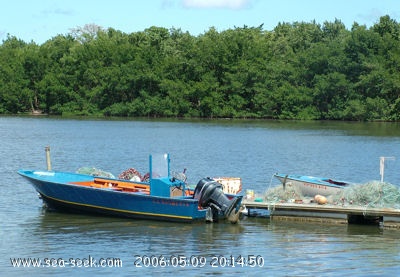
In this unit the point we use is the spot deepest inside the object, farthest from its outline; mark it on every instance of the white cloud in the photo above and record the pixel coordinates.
(166, 4)
(57, 11)
(371, 16)
(221, 4)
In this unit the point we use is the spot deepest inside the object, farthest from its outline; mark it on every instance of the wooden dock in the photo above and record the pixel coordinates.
(338, 214)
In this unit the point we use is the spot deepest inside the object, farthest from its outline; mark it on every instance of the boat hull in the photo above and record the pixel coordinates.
(61, 195)
(311, 186)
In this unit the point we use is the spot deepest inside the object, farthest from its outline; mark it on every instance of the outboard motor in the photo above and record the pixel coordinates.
(209, 193)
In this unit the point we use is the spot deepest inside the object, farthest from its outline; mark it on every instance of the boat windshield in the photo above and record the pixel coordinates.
(159, 165)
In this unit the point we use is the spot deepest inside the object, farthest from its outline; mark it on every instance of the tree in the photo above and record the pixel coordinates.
(86, 33)
(300, 70)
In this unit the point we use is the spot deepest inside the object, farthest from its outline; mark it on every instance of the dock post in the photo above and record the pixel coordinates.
(47, 149)
(382, 165)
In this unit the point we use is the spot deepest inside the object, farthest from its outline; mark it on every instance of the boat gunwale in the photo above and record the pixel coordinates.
(312, 180)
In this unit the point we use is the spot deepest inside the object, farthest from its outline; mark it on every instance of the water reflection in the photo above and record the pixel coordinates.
(161, 237)
(379, 129)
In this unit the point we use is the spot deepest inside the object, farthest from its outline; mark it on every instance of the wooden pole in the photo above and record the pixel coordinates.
(47, 149)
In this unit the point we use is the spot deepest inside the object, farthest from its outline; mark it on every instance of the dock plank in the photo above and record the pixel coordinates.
(389, 217)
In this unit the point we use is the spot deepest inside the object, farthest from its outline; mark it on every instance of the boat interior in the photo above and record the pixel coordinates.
(118, 185)
(125, 186)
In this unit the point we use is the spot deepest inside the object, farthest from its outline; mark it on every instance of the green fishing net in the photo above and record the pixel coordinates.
(372, 194)
(95, 172)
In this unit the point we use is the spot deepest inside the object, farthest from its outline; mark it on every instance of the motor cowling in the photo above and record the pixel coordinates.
(209, 193)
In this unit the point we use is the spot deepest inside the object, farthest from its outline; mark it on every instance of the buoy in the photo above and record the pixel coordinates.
(320, 199)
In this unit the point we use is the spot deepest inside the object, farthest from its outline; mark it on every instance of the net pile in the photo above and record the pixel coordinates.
(372, 194)
(95, 172)
(130, 174)
(279, 194)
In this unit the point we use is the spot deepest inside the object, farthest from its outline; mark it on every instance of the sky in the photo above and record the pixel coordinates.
(41, 20)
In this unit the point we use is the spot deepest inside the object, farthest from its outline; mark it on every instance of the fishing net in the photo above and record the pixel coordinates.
(373, 194)
(130, 174)
(281, 194)
(95, 172)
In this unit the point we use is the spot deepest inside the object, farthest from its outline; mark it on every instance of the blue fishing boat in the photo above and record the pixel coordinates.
(164, 197)
(311, 186)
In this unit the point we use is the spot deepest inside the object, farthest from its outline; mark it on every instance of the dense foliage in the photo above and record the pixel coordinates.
(296, 71)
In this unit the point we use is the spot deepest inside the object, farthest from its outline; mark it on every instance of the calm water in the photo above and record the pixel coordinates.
(252, 150)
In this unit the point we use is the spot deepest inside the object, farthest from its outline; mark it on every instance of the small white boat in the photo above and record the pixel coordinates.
(311, 186)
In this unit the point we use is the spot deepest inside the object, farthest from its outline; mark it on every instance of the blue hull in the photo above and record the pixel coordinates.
(57, 191)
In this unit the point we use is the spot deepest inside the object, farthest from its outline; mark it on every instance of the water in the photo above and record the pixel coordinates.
(252, 150)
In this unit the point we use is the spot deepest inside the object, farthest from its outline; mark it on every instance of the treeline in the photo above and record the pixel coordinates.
(296, 71)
